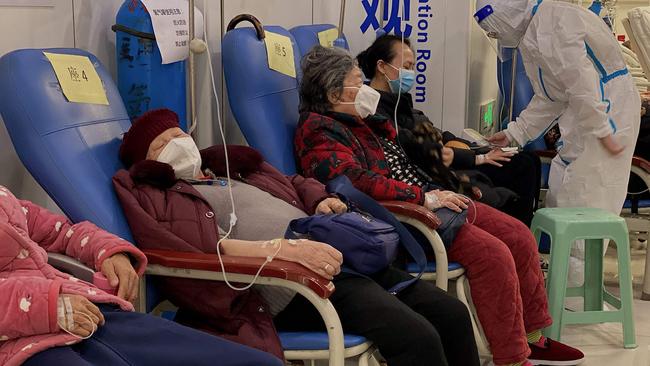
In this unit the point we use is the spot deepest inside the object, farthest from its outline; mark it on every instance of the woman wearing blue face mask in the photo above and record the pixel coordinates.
(339, 134)
(389, 64)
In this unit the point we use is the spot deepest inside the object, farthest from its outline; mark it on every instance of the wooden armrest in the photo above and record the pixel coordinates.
(413, 211)
(641, 163)
(546, 153)
(289, 271)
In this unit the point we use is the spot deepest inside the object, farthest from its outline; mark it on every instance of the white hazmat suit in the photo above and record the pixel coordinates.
(581, 81)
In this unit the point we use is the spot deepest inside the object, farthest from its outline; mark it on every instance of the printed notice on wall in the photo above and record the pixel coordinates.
(78, 78)
(279, 51)
(326, 38)
(32, 3)
(171, 21)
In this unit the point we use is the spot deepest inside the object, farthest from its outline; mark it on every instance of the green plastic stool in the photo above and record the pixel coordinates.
(565, 226)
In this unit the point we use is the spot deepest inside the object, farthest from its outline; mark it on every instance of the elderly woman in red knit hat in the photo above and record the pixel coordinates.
(174, 198)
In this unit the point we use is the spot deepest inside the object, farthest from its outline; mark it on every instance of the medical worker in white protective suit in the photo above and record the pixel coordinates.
(580, 79)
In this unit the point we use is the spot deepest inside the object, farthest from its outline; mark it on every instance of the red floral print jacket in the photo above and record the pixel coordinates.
(333, 144)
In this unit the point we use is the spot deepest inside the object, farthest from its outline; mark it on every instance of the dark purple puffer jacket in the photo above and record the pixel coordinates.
(166, 213)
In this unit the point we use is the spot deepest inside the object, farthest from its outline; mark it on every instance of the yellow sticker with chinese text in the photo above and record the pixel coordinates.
(78, 78)
(279, 51)
(327, 37)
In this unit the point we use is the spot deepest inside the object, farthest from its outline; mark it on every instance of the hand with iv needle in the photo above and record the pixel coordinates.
(321, 258)
(436, 199)
(78, 316)
(494, 157)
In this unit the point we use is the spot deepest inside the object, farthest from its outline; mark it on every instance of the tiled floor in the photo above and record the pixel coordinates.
(603, 343)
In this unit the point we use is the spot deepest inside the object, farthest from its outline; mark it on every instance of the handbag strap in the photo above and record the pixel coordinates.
(342, 186)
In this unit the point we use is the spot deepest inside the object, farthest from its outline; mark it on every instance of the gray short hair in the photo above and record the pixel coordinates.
(323, 73)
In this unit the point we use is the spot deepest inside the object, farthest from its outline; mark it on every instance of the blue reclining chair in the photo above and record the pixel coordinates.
(265, 105)
(258, 93)
(71, 149)
(306, 36)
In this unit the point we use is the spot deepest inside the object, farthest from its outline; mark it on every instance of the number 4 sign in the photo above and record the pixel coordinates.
(78, 78)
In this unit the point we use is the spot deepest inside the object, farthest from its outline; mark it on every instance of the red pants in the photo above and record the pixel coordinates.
(500, 257)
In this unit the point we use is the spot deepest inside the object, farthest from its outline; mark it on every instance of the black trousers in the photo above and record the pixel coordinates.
(521, 175)
(420, 326)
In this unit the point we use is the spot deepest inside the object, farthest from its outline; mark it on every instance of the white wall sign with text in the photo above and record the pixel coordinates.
(39, 3)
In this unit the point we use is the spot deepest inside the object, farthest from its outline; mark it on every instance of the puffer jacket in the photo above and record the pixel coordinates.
(333, 144)
(29, 287)
(168, 213)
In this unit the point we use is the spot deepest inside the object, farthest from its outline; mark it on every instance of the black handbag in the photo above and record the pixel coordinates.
(451, 222)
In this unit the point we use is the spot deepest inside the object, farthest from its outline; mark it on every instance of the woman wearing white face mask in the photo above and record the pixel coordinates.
(174, 197)
(183, 214)
(497, 251)
(389, 64)
(52, 318)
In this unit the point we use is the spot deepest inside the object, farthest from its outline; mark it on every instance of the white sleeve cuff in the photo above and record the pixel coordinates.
(516, 134)
(604, 131)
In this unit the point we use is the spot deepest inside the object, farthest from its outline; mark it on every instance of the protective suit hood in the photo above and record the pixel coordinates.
(505, 20)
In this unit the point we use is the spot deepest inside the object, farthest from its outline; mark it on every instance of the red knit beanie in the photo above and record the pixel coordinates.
(143, 131)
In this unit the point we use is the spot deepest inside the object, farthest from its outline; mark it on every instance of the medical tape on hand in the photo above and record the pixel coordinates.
(69, 313)
(66, 321)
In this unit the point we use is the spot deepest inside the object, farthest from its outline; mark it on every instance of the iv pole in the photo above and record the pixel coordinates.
(196, 46)
(192, 68)
(513, 77)
(341, 18)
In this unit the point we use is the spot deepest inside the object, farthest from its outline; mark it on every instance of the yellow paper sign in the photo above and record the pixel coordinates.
(279, 51)
(327, 37)
(78, 78)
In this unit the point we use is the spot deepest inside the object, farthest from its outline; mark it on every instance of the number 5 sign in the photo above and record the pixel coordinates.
(78, 78)
(279, 51)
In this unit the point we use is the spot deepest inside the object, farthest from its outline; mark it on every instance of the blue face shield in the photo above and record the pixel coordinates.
(403, 83)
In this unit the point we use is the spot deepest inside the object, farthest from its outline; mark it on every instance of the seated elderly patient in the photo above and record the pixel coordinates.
(174, 198)
(339, 134)
(390, 64)
(51, 318)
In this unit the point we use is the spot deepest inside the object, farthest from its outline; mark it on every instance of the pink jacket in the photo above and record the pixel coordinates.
(29, 287)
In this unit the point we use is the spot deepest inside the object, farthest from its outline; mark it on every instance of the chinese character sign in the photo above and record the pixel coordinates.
(279, 51)
(424, 24)
(394, 21)
(78, 78)
(171, 26)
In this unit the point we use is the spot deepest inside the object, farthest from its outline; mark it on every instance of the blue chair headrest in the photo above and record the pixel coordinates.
(263, 101)
(307, 36)
(71, 149)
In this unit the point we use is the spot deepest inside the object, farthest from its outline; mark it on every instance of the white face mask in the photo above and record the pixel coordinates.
(184, 157)
(366, 100)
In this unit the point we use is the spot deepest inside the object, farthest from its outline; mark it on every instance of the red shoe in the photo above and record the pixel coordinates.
(550, 352)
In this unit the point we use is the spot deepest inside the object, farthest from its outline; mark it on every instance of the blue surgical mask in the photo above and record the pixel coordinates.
(406, 79)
